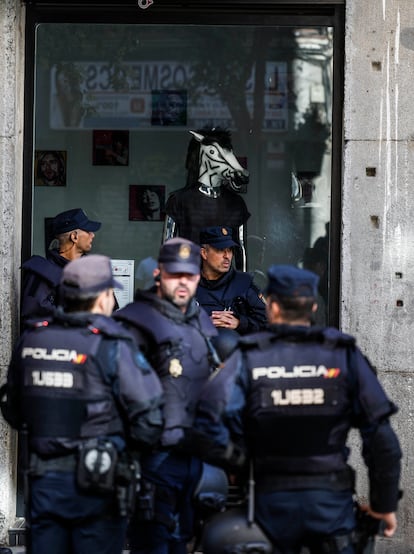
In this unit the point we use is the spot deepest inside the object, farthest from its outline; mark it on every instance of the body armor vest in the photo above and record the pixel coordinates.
(179, 352)
(299, 385)
(67, 390)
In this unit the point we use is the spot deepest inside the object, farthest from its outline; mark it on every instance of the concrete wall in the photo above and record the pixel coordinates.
(377, 294)
(11, 149)
(378, 208)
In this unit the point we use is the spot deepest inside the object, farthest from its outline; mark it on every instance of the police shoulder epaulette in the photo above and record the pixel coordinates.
(334, 337)
(37, 323)
(256, 340)
(110, 329)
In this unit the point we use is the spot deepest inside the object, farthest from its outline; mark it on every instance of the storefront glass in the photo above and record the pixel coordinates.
(114, 107)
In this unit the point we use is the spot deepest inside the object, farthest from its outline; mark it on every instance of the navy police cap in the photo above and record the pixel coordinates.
(218, 237)
(179, 255)
(73, 219)
(288, 280)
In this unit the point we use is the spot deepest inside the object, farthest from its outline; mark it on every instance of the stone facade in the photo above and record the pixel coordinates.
(377, 290)
(11, 162)
(377, 248)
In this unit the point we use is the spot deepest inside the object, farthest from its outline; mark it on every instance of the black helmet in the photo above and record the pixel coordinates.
(212, 489)
(230, 533)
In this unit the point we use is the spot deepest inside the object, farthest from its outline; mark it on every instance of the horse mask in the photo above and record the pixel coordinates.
(217, 165)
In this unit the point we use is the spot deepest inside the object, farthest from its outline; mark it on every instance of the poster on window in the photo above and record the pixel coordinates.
(146, 202)
(84, 95)
(110, 147)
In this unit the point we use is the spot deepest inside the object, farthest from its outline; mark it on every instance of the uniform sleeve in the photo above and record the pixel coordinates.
(39, 290)
(380, 446)
(382, 454)
(140, 395)
(218, 423)
(10, 397)
(255, 319)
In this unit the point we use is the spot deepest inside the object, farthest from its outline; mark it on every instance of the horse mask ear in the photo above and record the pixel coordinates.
(197, 136)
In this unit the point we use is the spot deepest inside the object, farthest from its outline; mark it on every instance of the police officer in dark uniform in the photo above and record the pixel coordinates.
(291, 395)
(234, 303)
(84, 393)
(175, 334)
(74, 232)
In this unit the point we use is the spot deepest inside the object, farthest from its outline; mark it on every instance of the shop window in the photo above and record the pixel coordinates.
(114, 108)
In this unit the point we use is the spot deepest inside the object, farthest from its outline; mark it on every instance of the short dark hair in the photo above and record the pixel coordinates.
(78, 304)
(298, 307)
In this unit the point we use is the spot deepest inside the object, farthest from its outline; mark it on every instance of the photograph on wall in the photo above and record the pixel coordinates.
(146, 202)
(110, 147)
(169, 108)
(50, 168)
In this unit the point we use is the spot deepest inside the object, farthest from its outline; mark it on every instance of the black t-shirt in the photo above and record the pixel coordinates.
(192, 210)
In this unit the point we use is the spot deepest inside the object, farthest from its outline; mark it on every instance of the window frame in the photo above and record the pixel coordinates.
(209, 12)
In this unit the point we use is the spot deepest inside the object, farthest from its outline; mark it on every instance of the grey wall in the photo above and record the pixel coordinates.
(378, 208)
(377, 241)
(11, 148)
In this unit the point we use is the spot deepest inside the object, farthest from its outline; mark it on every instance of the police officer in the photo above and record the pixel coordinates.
(292, 394)
(74, 232)
(82, 389)
(175, 334)
(229, 296)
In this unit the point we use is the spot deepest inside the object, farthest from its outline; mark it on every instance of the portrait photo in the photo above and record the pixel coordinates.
(50, 168)
(110, 147)
(169, 108)
(146, 202)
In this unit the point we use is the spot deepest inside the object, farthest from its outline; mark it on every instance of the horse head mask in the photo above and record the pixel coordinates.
(211, 162)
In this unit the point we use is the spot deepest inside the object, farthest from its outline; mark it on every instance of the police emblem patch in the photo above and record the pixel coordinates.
(184, 252)
(224, 231)
(175, 368)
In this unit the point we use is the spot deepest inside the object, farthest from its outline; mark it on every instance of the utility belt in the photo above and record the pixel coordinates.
(39, 466)
(99, 469)
(335, 481)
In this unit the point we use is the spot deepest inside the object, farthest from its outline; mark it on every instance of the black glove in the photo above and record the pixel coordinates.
(230, 457)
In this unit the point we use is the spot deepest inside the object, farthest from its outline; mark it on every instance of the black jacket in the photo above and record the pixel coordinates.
(234, 291)
(178, 347)
(41, 277)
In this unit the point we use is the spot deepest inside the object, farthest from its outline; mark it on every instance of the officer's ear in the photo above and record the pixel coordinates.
(273, 310)
(157, 275)
(203, 252)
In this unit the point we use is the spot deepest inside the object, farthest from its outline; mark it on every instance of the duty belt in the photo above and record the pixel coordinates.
(39, 466)
(335, 481)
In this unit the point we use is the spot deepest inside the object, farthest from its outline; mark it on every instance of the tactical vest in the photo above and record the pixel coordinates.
(179, 353)
(66, 390)
(299, 403)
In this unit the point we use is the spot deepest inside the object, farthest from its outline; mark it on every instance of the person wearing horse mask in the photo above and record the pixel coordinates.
(211, 196)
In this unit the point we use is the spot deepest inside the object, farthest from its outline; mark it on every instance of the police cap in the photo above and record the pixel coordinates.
(288, 280)
(218, 237)
(179, 255)
(87, 276)
(73, 219)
